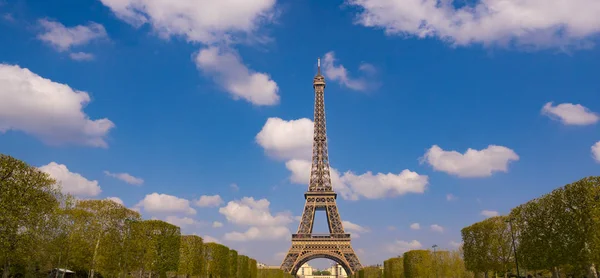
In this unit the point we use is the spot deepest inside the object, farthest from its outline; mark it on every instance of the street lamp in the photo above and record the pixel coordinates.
(435, 259)
(512, 234)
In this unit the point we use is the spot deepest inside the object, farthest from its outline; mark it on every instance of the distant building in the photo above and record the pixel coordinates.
(306, 271)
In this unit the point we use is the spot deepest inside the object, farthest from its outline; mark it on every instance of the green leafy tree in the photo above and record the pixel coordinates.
(253, 268)
(218, 260)
(393, 268)
(418, 263)
(191, 256)
(243, 267)
(27, 197)
(233, 261)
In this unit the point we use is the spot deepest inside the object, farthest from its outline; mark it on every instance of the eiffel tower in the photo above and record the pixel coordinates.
(320, 196)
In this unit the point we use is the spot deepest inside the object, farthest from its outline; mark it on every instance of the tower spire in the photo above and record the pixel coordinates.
(318, 66)
(320, 180)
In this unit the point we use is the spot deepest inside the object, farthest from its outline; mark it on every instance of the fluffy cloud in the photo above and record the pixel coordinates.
(260, 233)
(256, 213)
(354, 228)
(163, 203)
(125, 177)
(116, 200)
(81, 56)
(208, 238)
(292, 140)
(63, 38)
(450, 197)
(472, 163)
(340, 74)
(596, 151)
(532, 23)
(217, 224)
(47, 110)
(203, 21)
(400, 246)
(415, 226)
(248, 211)
(229, 72)
(489, 213)
(368, 185)
(437, 228)
(181, 221)
(70, 182)
(210, 23)
(570, 114)
(287, 139)
(209, 201)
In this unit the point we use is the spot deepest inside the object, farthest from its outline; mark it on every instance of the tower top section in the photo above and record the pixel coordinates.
(319, 79)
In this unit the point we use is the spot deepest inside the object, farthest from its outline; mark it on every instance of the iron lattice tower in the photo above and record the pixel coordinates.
(320, 196)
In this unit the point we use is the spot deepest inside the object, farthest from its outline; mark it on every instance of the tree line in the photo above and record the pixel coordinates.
(557, 234)
(42, 229)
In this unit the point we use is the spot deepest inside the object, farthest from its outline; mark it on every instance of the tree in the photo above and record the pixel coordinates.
(243, 267)
(105, 231)
(487, 245)
(218, 260)
(393, 268)
(233, 260)
(27, 197)
(191, 256)
(418, 263)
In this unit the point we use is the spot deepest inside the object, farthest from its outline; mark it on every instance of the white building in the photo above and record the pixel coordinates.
(336, 270)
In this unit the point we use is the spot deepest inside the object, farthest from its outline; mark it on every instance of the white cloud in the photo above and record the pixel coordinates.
(260, 233)
(70, 182)
(203, 21)
(489, 213)
(234, 187)
(209, 201)
(450, 197)
(354, 228)
(181, 221)
(415, 226)
(217, 224)
(63, 38)
(570, 114)
(116, 200)
(125, 177)
(400, 246)
(47, 110)
(226, 67)
(340, 74)
(256, 213)
(473, 163)
(81, 56)
(531, 23)
(287, 139)
(455, 244)
(163, 203)
(437, 228)
(207, 239)
(368, 185)
(292, 141)
(596, 151)
(250, 212)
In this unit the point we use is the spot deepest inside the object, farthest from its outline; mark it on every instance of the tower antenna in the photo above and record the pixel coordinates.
(318, 65)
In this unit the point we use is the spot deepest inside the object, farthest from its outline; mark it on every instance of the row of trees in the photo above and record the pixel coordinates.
(426, 264)
(42, 229)
(558, 233)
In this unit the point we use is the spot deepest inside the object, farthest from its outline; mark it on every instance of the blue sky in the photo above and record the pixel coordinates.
(161, 104)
